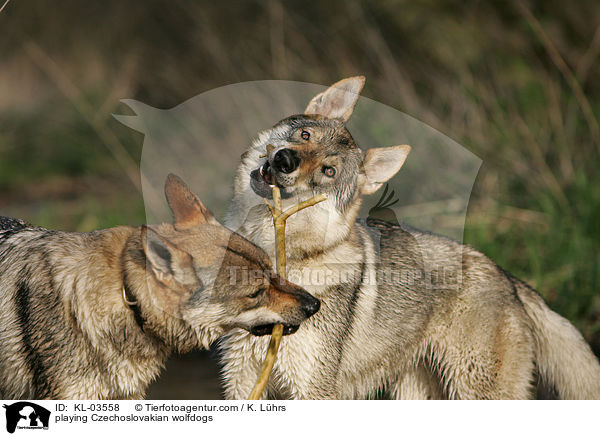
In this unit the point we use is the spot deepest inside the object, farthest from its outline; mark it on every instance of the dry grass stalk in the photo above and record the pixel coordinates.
(68, 88)
(5, 3)
(564, 69)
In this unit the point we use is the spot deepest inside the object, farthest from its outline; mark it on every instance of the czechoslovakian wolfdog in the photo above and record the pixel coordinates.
(95, 315)
(486, 336)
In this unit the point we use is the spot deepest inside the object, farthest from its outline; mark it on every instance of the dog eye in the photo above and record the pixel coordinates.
(305, 135)
(329, 171)
(257, 293)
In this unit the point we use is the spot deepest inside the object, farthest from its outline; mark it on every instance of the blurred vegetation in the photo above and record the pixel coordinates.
(515, 82)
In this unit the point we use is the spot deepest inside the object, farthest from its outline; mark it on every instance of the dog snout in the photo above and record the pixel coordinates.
(310, 305)
(286, 160)
(304, 303)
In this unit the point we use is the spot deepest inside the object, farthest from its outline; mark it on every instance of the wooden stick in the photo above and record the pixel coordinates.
(279, 220)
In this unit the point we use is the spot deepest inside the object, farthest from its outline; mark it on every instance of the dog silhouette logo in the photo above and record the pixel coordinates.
(26, 415)
(383, 209)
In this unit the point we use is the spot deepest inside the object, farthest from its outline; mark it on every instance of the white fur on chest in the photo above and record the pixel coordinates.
(308, 231)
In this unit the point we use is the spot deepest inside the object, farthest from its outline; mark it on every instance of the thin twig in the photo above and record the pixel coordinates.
(279, 221)
(269, 362)
(5, 3)
(297, 208)
(270, 207)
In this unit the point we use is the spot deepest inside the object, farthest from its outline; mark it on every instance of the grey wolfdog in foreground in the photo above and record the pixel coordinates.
(95, 315)
(478, 334)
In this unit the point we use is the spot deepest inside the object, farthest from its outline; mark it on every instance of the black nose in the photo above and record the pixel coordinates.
(310, 305)
(286, 160)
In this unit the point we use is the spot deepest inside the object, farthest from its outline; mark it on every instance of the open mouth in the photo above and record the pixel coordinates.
(261, 181)
(266, 329)
(265, 172)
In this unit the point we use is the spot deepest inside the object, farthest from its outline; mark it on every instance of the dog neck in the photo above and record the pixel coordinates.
(310, 232)
(139, 298)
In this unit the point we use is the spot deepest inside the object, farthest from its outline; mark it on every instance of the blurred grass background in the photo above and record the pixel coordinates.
(517, 83)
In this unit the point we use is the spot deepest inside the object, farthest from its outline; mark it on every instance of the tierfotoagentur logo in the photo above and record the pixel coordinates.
(26, 416)
(331, 274)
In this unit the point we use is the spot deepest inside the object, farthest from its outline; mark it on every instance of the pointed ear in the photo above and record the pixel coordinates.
(338, 100)
(169, 264)
(381, 164)
(188, 210)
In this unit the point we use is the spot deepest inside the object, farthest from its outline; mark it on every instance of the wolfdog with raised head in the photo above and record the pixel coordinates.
(404, 312)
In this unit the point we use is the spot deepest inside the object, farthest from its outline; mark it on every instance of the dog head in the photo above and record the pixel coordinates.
(213, 278)
(314, 153)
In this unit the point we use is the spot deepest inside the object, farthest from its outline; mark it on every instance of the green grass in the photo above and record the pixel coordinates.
(559, 256)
